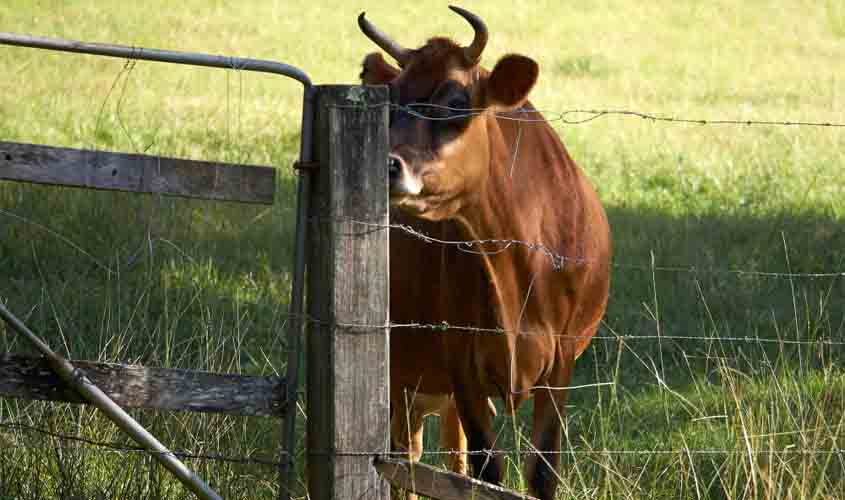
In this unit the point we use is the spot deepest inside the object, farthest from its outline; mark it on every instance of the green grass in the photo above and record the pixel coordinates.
(836, 17)
(168, 282)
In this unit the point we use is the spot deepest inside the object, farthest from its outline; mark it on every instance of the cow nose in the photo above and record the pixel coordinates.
(394, 166)
(403, 181)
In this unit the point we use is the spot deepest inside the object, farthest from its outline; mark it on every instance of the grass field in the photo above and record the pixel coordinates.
(730, 236)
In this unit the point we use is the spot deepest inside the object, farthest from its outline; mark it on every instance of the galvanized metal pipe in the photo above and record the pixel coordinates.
(91, 393)
(168, 56)
(297, 301)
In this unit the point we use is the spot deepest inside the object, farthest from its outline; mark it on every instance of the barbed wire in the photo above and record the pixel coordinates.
(361, 453)
(600, 113)
(738, 272)
(558, 260)
(519, 115)
(496, 452)
(445, 327)
(121, 448)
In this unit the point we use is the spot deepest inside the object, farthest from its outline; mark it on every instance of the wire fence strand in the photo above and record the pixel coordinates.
(437, 112)
(122, 448)
(250, 460)
(558, 261)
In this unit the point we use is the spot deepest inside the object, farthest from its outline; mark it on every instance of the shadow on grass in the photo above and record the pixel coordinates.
(737, 277)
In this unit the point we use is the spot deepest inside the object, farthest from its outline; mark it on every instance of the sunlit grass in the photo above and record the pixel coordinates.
(697, 212)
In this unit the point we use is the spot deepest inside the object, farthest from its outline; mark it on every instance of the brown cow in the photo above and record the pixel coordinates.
(458, 175)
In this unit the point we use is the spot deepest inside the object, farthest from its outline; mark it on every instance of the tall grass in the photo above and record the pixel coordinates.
(716, 230)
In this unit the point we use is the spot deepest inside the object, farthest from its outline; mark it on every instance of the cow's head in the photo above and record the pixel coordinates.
(443, 102)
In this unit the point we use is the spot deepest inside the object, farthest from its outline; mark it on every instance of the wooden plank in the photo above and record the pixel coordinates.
(28, 377)
(426, 480)
(136, 173)
(347, 368)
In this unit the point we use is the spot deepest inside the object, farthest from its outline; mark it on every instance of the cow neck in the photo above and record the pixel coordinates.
(504, 211)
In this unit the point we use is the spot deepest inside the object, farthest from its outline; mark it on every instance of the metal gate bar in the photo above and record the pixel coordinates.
(168, 56)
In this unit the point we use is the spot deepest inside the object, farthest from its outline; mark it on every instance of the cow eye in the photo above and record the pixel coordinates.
(458, 103)
(458, 107)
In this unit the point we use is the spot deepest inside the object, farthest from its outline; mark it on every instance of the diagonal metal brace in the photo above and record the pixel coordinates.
(76, 378)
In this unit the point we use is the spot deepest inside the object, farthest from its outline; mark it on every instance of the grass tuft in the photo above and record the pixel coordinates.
(587, 66)
(835, 14)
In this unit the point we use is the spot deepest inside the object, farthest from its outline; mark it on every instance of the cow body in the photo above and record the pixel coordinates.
(474, 177)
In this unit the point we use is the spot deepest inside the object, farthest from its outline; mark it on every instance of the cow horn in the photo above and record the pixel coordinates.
(472, 54)
(395, 50)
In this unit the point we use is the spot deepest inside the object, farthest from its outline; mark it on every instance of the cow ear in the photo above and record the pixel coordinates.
(510, 82)
(376, 71)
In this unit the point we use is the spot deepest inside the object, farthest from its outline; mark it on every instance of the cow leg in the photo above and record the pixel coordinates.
(406, 434)
(541, 470)
(452, 438)
(477, 421)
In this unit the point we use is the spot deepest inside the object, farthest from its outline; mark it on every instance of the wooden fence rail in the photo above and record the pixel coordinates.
(27, 377)
(443, 485)
(136, 173)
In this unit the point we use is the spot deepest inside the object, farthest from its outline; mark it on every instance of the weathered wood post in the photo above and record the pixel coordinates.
(348, 293)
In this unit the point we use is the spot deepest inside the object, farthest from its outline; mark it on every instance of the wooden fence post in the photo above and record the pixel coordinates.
(348, 294)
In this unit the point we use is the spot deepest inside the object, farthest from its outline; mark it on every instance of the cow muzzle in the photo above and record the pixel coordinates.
(403, 181)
